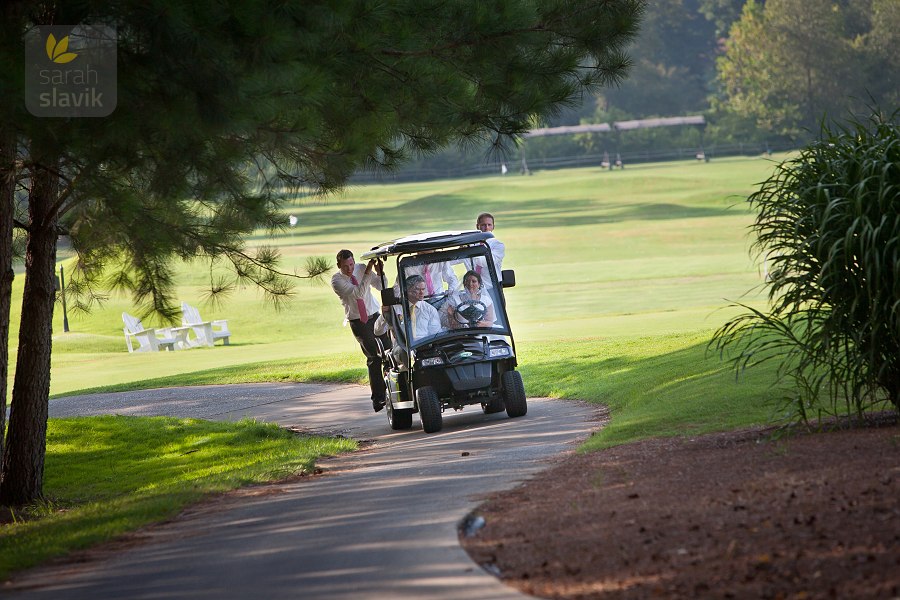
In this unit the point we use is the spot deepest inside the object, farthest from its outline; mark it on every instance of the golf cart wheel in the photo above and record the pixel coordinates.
(494, 405)
(399, 418)
(429, 409)
(514, 394)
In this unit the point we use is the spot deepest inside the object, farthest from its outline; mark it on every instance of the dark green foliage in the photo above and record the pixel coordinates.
(224, 105)
(674, 73)
(828, 228)
(674, 63)
(722, 13)
(788, 63)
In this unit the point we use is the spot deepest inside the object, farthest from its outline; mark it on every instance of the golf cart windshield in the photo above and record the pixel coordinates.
(446, 294)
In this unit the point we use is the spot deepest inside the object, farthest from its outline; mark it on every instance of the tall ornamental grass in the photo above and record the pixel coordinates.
(828, 227)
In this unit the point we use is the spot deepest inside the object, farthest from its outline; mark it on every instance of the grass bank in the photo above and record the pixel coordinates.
(109, 475)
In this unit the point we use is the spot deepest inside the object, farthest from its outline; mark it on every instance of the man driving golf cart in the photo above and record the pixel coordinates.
(470, 358)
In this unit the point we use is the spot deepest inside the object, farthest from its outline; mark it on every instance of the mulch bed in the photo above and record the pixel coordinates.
(734, 515)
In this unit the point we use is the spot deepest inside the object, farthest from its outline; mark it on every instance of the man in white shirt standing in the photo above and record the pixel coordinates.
(485, 222)
(435, 274)
(352, 285)
(424, 318)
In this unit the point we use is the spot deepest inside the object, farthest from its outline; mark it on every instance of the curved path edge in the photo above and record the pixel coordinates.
(381, 523)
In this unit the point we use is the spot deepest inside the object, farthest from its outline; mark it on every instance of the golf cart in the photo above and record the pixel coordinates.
(470, 358)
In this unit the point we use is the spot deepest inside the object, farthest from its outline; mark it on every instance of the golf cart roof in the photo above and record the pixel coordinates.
(421, 242)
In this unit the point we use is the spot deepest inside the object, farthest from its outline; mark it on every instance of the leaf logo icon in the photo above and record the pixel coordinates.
(58, 51)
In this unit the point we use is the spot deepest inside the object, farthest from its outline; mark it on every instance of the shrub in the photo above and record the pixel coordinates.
(828, 227)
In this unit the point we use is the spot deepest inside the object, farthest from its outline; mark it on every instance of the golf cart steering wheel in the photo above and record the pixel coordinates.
(471, 312)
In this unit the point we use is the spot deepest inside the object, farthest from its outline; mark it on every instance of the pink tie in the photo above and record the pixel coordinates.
(360, 304)
(428, 284)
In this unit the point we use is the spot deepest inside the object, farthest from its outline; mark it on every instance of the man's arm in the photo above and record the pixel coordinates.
(450, 277)
(434, 320)
(375, 279)
(382, 326)
(498, 251)
(342, 286)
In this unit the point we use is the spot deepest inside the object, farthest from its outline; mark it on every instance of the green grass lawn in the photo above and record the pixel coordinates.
(603, 259)
(622, 277)
(655, 249)
(661, 385)
(109, 475)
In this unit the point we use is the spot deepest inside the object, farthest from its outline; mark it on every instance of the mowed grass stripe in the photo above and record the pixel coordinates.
(649, 251)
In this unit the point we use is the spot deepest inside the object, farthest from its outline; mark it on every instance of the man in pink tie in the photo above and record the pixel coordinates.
(436, 275)
(352, 285)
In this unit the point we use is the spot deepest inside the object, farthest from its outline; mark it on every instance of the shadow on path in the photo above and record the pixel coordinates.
(380, 523)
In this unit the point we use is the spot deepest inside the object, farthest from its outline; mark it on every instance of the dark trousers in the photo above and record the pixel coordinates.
(365, 335)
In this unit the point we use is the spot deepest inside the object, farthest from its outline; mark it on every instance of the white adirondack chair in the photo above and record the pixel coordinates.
(149, 341)
(207, 332)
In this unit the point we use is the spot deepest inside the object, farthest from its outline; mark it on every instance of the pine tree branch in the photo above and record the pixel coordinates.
(436, 50)
(57, 207)
(236, 254)
(36, 166)
(65, 194)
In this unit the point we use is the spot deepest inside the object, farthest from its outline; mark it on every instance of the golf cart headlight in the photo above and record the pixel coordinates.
(430, 362)
(502, 351)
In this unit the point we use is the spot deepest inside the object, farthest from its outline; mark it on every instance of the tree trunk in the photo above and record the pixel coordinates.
(7, 200)
(10, 28)
(23, 457)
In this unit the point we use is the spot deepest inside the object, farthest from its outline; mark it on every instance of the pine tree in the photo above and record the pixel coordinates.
(223, 104)
(10, 17)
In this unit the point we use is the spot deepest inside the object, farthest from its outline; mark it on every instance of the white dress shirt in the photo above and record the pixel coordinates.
(425, 320)
(381, 324)
(439, 272)
(498, 251)
(348, 293)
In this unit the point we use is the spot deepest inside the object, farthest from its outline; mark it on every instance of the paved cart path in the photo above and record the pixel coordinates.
(380, 523)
